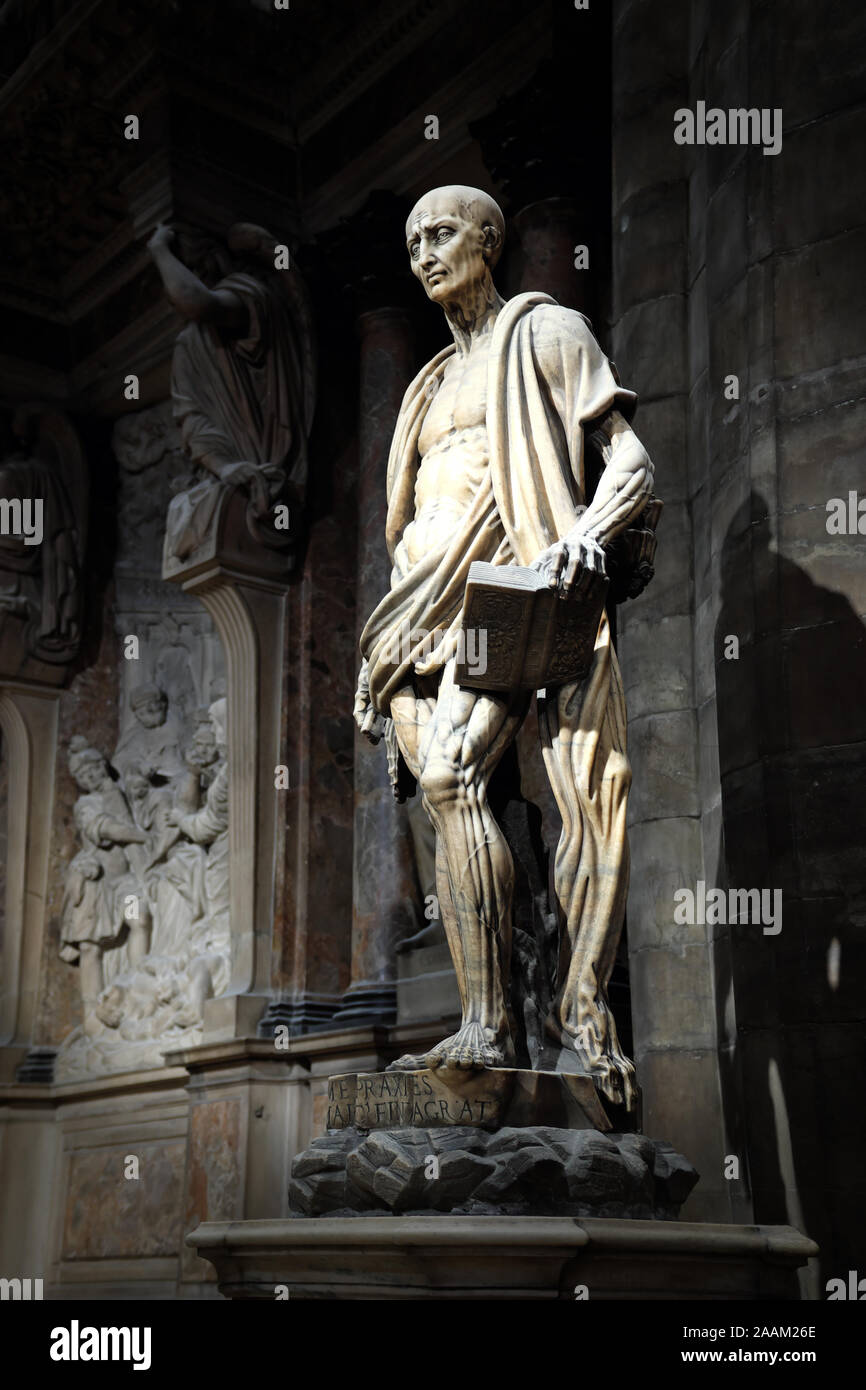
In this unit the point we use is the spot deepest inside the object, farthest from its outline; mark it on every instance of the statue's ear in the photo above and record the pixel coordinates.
(492, 241)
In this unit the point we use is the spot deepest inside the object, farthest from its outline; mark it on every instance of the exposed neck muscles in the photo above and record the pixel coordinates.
(474, 314)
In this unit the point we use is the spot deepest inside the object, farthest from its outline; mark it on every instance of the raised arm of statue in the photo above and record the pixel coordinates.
(189, 295)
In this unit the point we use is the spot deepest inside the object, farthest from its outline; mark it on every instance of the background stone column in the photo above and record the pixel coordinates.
(675, 772)
(548, 232)
(384, 892)
(553, 175)
(777, 246)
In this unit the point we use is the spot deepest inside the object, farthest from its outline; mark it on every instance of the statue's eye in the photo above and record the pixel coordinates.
(443, 233)
(415, 250)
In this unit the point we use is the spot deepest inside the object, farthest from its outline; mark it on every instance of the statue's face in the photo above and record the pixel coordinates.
(91, 775)
(204, 744)
(137, 785)
(446, 249)
(151, 712)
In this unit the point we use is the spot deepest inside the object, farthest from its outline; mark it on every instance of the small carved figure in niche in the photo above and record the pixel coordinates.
(242, 380)
(154, 736)
(155, 1000)
(209, 826)
(150, 801)
(173, 870)
(103, 896)
(202, 757)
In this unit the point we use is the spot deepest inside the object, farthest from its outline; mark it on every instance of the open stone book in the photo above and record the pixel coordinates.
(521, 634)
(524, 635)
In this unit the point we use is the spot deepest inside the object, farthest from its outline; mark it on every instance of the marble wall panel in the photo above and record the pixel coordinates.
(214, 1173)
(111, 1216)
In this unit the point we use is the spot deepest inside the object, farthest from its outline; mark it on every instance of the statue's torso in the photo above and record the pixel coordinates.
(454, 453)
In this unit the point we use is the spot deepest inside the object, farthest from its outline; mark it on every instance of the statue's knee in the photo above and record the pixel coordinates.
(440, 783)
(619, 771)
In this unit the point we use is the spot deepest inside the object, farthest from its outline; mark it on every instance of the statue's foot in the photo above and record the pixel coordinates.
(473, 1045)
(611, 1072)
(408, 1062)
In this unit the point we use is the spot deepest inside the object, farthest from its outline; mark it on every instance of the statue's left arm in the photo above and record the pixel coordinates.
(626, 480)
(624, 486)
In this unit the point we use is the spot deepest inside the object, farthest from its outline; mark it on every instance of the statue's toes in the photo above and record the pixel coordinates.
(406, 1063)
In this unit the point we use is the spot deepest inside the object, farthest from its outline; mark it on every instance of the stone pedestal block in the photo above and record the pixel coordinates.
(502, 1257)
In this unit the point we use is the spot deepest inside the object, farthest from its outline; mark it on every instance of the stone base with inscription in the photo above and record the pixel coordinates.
(534, 1170)
(488, 1097)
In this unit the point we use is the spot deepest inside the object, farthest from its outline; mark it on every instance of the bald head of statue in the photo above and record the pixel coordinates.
(454, 236)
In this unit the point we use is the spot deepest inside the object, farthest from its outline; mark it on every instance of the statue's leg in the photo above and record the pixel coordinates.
(456, 751)
(583, 733)
(139, 934)
(411, 711)
(91, 981)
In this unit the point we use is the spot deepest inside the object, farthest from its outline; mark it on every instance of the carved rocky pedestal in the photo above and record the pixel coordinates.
(490, 1183)
(486, 1141)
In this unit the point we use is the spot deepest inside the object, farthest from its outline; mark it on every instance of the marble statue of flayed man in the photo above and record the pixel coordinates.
(488, 463)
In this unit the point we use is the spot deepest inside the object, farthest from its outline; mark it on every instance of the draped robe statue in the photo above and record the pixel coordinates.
(242, 385)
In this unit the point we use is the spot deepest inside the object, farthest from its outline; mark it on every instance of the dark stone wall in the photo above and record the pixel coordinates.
(784, 302)
(673, 1005)
(729, 262)
(4, 804)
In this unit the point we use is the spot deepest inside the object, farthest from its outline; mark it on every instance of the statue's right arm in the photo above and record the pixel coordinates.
(189, 295)
(116, 832)
(370, 723)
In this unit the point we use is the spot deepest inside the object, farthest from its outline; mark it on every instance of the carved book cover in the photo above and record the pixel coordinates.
(524, 635)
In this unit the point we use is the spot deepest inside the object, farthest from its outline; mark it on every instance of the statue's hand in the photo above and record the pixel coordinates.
(371, 724)
(162, 237)
(566, 562)
(251, 477)
(239, 474)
